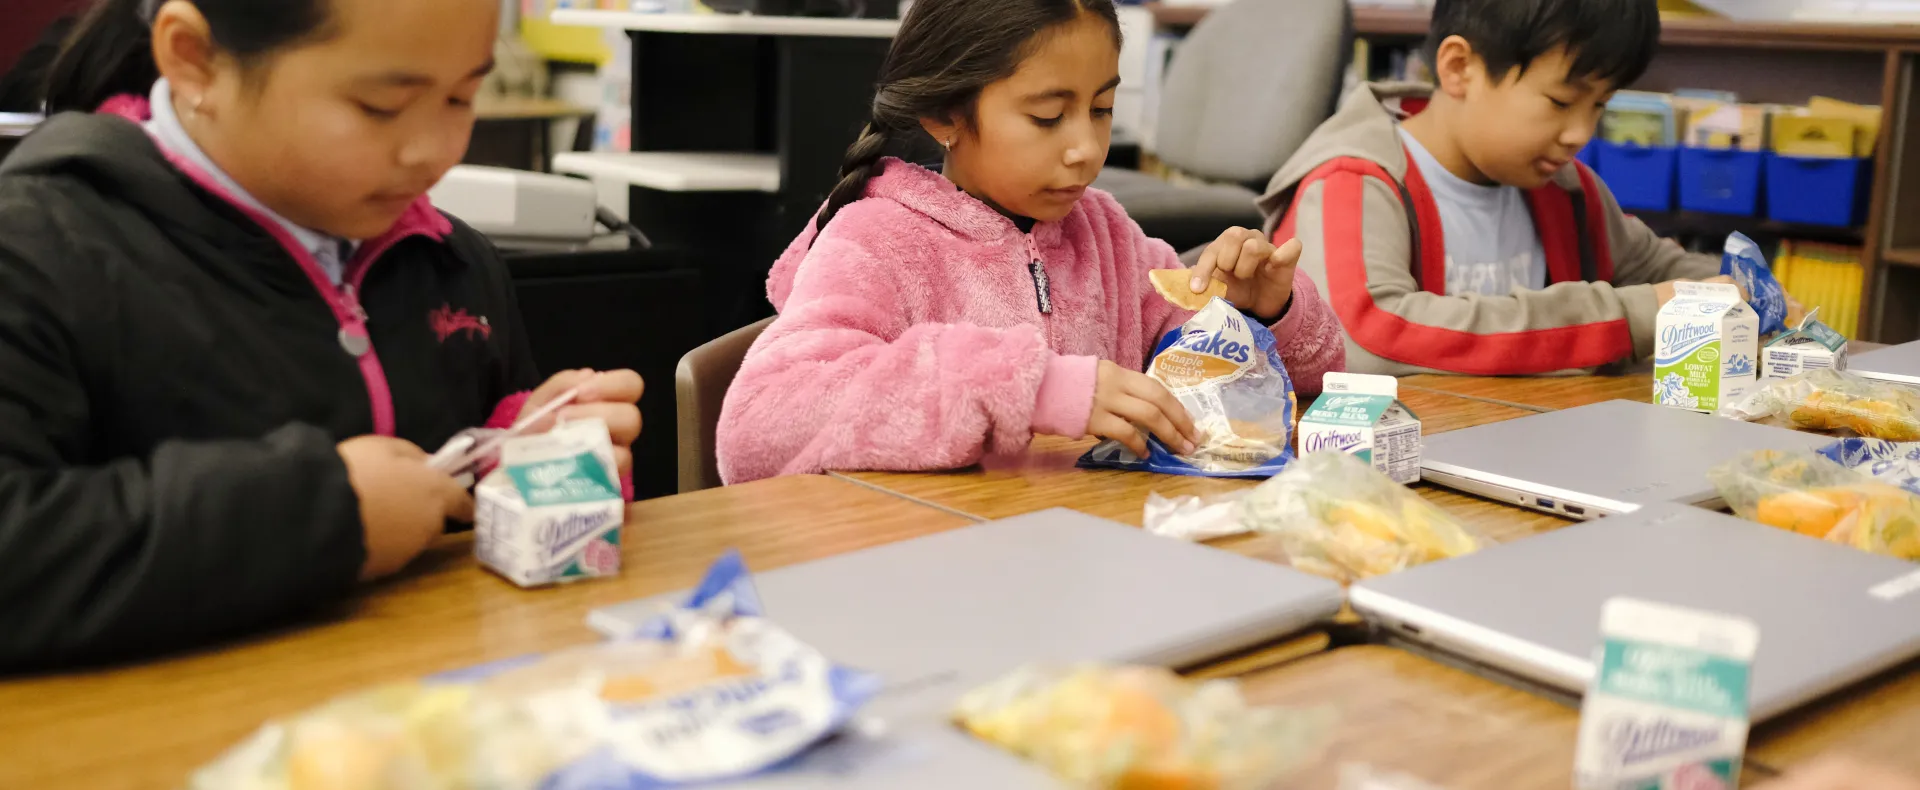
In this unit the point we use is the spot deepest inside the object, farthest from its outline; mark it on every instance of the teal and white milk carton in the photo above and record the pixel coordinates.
(1667, 709)
(1810, 346)
(1361, 415)
(552, 510)
(1705, 349)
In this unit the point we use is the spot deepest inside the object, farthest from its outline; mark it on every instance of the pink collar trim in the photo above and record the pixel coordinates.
(420, 219)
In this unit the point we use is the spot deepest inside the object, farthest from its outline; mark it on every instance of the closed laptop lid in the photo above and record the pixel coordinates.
(1899, 363)
(1828, 614)
(1615, 455)
(938, 615)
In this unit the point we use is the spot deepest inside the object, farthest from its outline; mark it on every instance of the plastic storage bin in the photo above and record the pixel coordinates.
(1817, 190)
(1720, 181)
(1589, 157)
(1640, 177)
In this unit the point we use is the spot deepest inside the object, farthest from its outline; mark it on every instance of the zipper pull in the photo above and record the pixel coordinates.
(353, 337)
(1042, 291)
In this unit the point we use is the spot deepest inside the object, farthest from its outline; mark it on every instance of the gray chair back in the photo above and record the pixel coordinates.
(700, 388)
(1248, 85)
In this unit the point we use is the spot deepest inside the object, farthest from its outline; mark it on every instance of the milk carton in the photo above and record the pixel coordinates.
(1359, 414)
(1667, 709)
(1705, 346)
(1811, 346)
(552, 511)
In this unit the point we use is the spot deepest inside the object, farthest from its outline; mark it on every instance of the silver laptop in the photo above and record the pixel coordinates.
(1598, 460)
(1829, 615)
(938, 615)
(1899, 364)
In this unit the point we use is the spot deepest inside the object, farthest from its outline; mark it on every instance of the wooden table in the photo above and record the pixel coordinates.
(1538, 393)
(149, 724)
(1403, 713)
(1045, 477)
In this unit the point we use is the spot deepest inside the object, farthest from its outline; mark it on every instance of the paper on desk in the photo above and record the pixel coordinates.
(1194, 518)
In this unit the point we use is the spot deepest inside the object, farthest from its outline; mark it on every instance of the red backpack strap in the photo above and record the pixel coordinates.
(1599, 243)
(1560, 232)
(1429, 239)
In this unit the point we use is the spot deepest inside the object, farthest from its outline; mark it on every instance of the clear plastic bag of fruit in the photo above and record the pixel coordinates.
(1142, 727)
(1339, 517)
(1807, 493)
(1829, 400)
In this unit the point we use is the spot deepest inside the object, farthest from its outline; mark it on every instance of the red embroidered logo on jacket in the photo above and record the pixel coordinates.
(447, 322)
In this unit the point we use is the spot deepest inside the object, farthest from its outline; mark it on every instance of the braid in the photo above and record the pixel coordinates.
(855, 171)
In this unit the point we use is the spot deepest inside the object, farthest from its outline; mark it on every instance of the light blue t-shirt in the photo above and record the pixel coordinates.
(1492, 246)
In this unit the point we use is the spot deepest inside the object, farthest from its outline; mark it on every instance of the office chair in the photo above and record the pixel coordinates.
(1243, 91)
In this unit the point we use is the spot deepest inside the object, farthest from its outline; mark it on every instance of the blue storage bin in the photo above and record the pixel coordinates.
(1720, 181)
(1640, 177)
(1588, 157)
(1817, 190)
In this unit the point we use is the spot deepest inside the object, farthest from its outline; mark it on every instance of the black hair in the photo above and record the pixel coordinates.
(111, 51)
(1611, 40)
(945, 53)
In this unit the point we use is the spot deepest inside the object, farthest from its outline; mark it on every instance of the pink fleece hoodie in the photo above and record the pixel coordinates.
(912, 337)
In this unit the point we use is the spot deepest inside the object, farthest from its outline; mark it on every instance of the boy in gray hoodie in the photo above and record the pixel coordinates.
(1451, 227)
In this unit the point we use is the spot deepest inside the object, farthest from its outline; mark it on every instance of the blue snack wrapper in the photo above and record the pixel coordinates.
(708, 691)
(1743, 261)
(1896, 463)
(1226, 371)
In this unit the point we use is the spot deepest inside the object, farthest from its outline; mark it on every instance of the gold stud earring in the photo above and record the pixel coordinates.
(947, 143)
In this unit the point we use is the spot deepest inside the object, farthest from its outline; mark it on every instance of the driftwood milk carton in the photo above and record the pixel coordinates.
(1361, 415)
(552, 510)
(1810, 346)
(1667, 708)
(1705, 348)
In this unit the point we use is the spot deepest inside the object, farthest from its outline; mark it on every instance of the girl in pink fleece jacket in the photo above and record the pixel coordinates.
(928, 319)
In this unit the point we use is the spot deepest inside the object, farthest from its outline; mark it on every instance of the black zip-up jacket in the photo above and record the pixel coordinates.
(174, 379)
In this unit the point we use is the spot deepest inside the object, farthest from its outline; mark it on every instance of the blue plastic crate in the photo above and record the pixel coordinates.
(1721, 181)
(1589, 156)
(1817, 190)
(1641, 177)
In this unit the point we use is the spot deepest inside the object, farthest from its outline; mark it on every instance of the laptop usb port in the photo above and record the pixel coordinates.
(1544, 503)
(1574, 510)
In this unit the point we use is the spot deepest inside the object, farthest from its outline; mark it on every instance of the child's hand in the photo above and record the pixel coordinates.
(403, 503)
(611, 395)
(1259, 276)
(1125, 401)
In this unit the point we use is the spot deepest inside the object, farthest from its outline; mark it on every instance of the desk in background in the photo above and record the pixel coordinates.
(517, 132)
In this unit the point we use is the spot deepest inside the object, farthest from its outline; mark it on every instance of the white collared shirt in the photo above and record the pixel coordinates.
(331, 252)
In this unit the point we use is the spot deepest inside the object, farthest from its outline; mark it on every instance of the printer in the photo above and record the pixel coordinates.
(521, 209)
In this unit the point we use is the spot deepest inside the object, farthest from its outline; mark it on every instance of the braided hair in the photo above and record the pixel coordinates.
(945, 53)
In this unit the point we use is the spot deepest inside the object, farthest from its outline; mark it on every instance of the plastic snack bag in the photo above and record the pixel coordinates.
(707, 692)
(1830, 400)
(1742, 260)
(1340, 518)
(1895, 463)
(1141, 727)
(1193, 518)
(1807, 493)
(1360, 776)
(1226, 371)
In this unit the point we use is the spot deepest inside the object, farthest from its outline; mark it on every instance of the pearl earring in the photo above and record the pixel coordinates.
(193, 105)
(947, 143)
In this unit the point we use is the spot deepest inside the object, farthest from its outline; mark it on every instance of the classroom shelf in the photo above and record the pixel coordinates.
(670, 171)
(731, 24)
(1696, 223)
(1901, 256)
